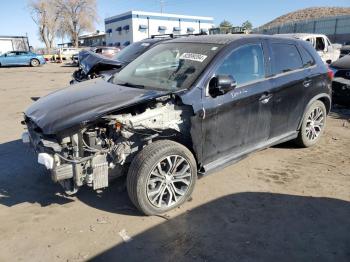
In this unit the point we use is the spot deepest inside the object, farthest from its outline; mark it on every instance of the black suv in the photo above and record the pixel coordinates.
(185, 107)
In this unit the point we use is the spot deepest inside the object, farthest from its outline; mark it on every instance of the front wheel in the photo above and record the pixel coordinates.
(161, 177)
(34, 62)
(313, 125)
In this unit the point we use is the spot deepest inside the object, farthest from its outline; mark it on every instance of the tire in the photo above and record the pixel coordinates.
(34, 62)
(313, 125)
(146, 177)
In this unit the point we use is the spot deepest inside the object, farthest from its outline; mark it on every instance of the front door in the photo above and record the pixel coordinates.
(23, 58)
(9, 59)
(240, 119)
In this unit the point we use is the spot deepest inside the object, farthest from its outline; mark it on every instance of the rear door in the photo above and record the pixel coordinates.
(238, 120)
(289, 87)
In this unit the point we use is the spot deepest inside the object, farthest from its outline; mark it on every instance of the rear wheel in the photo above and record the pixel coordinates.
(34, 62)
(161, 177)
(313, 125)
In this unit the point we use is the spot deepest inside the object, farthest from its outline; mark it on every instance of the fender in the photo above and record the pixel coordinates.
(318, 97)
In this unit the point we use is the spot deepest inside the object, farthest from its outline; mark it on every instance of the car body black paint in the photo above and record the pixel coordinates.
(224, 128)
(92, 61)
(341, 81)
(73, 106)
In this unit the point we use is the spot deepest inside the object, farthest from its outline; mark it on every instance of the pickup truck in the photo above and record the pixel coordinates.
(321, 43)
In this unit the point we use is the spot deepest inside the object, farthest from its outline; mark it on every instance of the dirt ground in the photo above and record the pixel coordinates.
(280, 204)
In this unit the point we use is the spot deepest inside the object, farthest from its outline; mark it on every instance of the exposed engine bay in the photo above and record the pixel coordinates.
(103, 150)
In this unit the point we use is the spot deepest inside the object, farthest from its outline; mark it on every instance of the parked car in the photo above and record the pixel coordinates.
(186, 106)
(93, 65)
(75, 59)
(341, 81)
(321, 43)
(21, 58)
(106, 51)
(345, 50)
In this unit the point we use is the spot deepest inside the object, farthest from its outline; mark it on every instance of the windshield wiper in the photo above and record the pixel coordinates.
(132, 85)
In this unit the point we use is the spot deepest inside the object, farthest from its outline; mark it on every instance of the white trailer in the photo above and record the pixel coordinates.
(13, 43)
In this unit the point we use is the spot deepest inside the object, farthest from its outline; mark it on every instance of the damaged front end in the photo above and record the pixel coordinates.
(93, 65)
(103, 149)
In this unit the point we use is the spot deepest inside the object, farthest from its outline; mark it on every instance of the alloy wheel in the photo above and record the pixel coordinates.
(35, 62)
(169, 181)
(315, 123)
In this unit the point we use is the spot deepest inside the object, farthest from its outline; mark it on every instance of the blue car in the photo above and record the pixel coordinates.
(21, 58)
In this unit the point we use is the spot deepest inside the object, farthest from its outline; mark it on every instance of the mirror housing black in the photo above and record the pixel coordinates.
(221, 84)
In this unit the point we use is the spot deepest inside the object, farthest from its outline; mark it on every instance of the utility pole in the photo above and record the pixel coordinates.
(161, 2)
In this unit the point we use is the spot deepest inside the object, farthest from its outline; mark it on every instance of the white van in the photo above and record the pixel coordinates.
(321, 43)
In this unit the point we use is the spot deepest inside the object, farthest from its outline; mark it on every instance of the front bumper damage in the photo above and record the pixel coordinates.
(91, 170)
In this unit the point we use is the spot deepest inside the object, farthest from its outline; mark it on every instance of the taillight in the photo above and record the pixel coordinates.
(330, 73)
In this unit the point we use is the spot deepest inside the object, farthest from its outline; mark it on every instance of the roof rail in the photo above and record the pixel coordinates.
(177, 35)
(162, 35)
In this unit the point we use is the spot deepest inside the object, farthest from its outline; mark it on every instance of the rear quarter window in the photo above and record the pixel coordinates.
(286, 58)
(307, 58)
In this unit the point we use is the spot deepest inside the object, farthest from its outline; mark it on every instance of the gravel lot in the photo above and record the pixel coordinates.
(280, 204)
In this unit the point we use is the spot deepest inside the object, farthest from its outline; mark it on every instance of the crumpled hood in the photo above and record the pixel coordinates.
(345, 47)
(91, 60)
(82, 103)
(342, 63)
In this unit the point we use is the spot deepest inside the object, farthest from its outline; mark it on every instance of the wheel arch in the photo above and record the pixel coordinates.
(186, 142)
(324, 98)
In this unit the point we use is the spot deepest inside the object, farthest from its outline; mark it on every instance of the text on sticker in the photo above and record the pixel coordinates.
(193, 57)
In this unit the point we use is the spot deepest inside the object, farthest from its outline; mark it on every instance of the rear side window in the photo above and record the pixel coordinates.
(308, 60)
(286, 57)
(245, 64)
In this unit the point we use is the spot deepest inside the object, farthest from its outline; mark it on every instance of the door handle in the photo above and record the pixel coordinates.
(307, 83)
(265, 98)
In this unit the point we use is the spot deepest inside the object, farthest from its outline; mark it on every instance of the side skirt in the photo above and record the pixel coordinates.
(234, 158)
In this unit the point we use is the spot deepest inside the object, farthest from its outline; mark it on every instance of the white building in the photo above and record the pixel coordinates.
(133, 26)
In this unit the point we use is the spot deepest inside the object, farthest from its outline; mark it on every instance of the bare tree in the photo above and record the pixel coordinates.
(77, 16)
(45, 14)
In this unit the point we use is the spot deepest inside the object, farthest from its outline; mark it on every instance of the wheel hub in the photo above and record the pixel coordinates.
(314, 123)
(169, 181)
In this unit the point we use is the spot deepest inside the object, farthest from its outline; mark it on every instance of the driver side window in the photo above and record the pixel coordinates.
(245, 64)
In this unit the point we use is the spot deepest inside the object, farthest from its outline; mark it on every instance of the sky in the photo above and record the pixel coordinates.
(15, 17)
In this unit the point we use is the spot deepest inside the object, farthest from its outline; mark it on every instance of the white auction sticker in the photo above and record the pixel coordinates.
(193, 57)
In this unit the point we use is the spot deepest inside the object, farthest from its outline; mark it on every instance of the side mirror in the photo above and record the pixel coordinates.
(5, 55)
(221, 84)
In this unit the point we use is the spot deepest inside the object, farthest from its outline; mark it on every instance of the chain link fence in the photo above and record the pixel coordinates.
(336, 28)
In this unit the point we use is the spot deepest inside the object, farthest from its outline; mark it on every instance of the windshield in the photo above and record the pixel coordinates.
(132, 51)
(168, 66)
